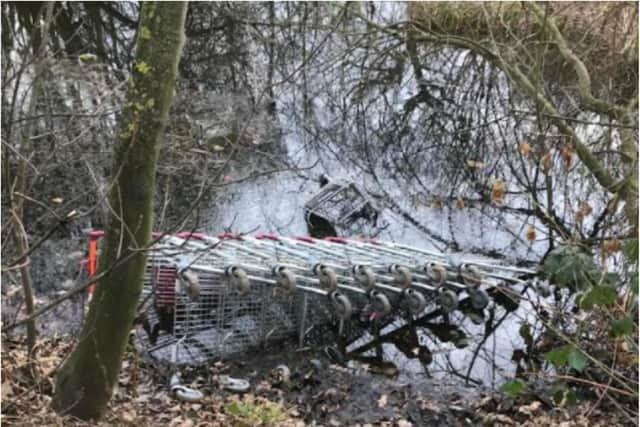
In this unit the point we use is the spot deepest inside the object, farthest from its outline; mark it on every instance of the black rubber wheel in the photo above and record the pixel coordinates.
(416, 302)
(479, 298)
(341, 305)
(447, 300)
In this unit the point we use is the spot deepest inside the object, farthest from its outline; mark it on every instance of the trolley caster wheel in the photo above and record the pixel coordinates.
(479, 298)
(190, 284)
(341, 305)
(364, 275)
(447, 300)
(415, 301)
(326, 275)
(238, 279)
(380, 303)
(436, 272)
(470, 274)
(401, 275)
(183, 393)
(285, 278)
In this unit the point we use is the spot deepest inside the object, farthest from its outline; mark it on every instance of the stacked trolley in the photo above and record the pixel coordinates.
(208, 297)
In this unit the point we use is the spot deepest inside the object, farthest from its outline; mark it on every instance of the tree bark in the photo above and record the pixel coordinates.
(86, 381)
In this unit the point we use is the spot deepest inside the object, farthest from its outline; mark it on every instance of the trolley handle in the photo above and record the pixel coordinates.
(228, 235)
(336, 239)
(96, 234)
(370, 240)
(188, 234)
(269, 236)
(306, 239)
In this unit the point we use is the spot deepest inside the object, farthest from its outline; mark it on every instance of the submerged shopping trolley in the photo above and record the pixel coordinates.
(208, 297)
(342, 207)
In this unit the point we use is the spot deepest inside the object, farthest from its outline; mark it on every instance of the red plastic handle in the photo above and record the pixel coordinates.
(370, 240)
(304, 239)
(96, 234)
(269, 236)
(335, 239)
(188, 234)
(230, 236)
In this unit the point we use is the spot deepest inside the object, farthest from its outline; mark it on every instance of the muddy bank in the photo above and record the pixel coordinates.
(329, 394)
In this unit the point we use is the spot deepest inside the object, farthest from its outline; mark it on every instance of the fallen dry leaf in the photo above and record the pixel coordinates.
(547, 161)
(474, 164)
(497, 191)
(530, 409)
(530, 233)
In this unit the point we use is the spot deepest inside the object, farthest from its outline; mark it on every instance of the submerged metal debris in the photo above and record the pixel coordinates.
(342, 208)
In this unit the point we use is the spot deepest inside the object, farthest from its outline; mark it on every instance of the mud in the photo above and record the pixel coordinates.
(330, 394)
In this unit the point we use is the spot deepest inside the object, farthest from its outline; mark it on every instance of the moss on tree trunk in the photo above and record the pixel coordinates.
(86, 381)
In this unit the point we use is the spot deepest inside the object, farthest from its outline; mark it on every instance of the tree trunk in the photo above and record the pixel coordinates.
(86, 381)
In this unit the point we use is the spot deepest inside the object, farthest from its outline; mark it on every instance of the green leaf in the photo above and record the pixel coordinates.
(612, 279)
(559, 356)
(599, 295)
(145, 33)
(142, 67)
(620, 327)
(525, 333)
(631, 250)
(234, 408)
(569, 266)
(571, 398)
(512, 387)
(561, 395)
(634, 283)
(577, 360)
(557, 394)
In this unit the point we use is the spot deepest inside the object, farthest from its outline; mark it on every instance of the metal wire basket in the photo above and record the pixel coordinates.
(215, 297)
(345, 207)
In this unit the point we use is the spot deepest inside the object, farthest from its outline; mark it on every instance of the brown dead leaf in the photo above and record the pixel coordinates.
(611, 246)
(504, 419)
(497, 191)
(525, 148)
(567, 156)
(128, 417)
(459, 202)
(585, 208)
(530, 409)
(436, 203)
(547, 161)
(530, 233)
(474, 164)
(13, 290)
(6, 390)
